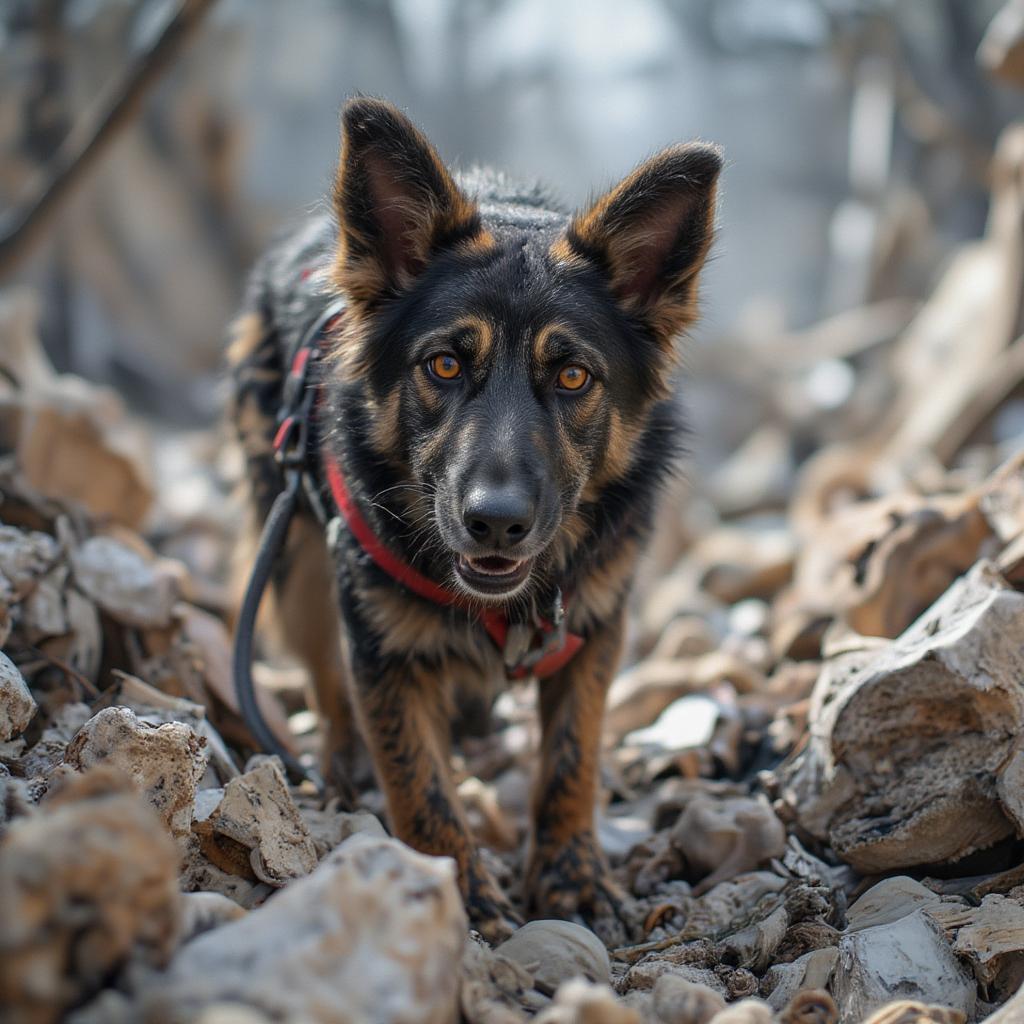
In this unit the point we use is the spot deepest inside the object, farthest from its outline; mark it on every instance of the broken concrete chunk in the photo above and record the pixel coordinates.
(257, 813)
(165, 762)
(126, 586)
(86, 885)
(908, 957)
(556, 951)
(17, 705)
(374, 933)
(908, 740)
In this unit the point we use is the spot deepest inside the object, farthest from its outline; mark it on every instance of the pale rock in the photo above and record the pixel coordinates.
(373, 934)
(494, 989)
(203, 911)
(678, 1001)
(906, 1011)
(25, 556)
(908, 740)
(557, 951)
(746, 1011)
(123, 583)
(258, 813)
(198, 874)
(910, 957)
(725, 837)
(686, 722)
(582, 1002)
(17, 705)
(887, 901)
(86, 884)
(330, 827)
(645, 975)
(812, 971)
(165, 762)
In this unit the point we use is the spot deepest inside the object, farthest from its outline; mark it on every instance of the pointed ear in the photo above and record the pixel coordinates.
(651, 233)
(395, 202)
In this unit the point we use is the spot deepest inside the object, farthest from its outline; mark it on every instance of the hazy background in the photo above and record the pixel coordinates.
(854, 131)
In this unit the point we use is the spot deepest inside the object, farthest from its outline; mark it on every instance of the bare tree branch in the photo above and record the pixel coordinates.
(114, 109)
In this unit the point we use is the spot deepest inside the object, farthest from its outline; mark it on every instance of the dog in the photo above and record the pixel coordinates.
(494, 421)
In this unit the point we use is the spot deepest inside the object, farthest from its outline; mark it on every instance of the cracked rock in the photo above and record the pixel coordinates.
(164, 762)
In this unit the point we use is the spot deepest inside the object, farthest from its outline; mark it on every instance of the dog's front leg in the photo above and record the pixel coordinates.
(567, 875)
(405, 718)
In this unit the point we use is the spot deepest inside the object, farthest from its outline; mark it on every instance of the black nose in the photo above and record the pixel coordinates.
(498, 517)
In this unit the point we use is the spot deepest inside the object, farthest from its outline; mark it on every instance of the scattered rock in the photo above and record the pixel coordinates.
(257, 820)
(557, 951)
(678, 1001)
(123, 583)
(16, 703)
(86, 886)
(908, 740)
(723, 838)
(910, 957)
(372, 934)
(582, 1002)
(165, 762)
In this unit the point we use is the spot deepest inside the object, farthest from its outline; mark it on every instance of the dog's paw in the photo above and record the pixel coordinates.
(489, 911)
(574, 883)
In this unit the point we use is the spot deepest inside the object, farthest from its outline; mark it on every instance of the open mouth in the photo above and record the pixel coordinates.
(493, 574)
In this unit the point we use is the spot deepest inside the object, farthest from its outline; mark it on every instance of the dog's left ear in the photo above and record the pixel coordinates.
(651, 233)
(395, 201)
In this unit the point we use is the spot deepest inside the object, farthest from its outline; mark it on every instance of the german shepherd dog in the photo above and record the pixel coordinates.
(496, 397)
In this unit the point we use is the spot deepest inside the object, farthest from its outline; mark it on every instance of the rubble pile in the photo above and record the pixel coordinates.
(813, 781)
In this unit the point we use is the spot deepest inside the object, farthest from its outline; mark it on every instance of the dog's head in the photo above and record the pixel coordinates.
(509, 373)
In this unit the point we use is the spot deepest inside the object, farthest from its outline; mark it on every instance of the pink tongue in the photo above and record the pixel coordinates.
(494, 563)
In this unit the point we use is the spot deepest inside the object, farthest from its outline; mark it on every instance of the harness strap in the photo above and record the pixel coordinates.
(494, 620)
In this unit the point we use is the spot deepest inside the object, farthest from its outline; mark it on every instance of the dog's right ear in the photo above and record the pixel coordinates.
(395, 201)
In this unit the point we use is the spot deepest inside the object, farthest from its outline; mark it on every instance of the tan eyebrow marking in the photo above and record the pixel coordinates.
(543, 337)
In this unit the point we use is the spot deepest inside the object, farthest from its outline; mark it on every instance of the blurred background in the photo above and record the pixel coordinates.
(864, 291)
(858, 134)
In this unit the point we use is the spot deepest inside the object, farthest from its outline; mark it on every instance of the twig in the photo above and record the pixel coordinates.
(93, 133)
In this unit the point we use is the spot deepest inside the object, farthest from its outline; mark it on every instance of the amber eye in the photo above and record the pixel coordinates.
(573, 378)
(445, 366)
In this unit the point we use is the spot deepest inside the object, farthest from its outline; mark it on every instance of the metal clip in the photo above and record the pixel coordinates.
(520, 653)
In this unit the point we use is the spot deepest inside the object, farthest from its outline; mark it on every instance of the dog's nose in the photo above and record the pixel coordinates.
(498, 517)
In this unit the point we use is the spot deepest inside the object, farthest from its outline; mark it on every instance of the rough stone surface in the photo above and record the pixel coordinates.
(17, 705)
(165, 762)
(557, 951)
(123, 583)
(85, 885)
(910, 957)
(373, 934)
(909, 738)
(257, 813)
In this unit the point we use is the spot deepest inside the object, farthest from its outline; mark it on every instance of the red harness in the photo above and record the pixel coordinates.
(549, 649)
